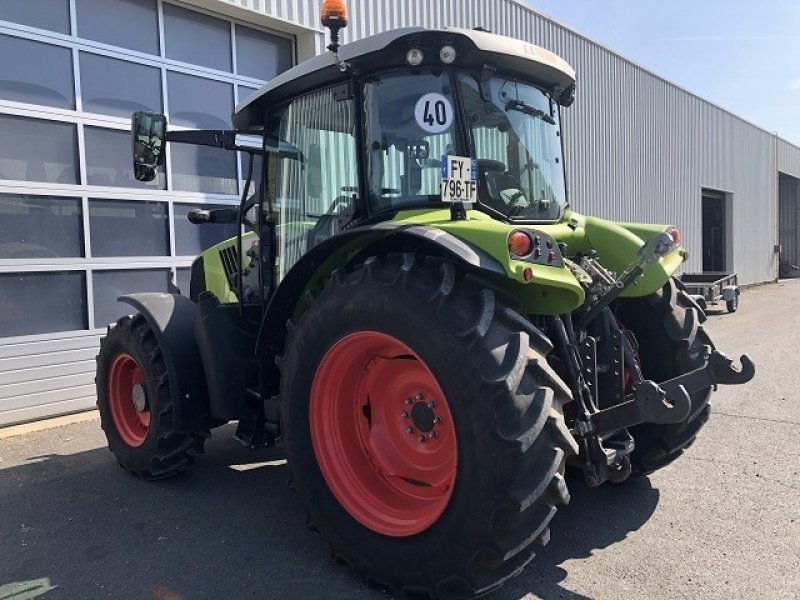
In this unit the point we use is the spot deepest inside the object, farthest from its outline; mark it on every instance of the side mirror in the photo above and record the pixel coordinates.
(148, 131)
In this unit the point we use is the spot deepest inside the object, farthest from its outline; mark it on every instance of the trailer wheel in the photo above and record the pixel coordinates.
(732, 305)
(136, 410)
(423, 427)
(671, 342)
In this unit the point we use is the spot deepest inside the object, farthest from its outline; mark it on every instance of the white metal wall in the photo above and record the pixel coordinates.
(637, 146)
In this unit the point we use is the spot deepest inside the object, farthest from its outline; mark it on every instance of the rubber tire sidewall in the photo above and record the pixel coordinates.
(122, 339)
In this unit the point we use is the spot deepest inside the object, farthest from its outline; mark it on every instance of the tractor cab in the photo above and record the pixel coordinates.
(357, 135)
(376, 121)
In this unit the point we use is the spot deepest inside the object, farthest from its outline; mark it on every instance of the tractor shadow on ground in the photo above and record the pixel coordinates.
(595, 518)
(230, 528)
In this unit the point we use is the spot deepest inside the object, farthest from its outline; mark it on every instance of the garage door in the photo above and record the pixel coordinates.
(76, 228)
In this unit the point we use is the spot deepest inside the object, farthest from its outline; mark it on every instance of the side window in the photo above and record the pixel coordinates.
(410, 125)
(317, 182)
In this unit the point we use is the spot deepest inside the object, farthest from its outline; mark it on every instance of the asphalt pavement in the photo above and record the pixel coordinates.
(722, 522)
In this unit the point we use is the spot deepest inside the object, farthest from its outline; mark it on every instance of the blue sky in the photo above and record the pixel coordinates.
(743, 56)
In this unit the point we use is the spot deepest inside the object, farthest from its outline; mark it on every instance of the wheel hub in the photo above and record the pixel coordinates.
(139, 397)
(422, 416)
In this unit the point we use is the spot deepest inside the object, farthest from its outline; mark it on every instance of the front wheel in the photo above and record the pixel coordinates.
(136, 409)
(424, 428)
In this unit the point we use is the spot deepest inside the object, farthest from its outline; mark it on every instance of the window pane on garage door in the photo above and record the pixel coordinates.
(197, 102)
(38, 150)
(261, 55)
(193, 37)
(45, 14)
(118, 87)
(203, 169)
(128, 228)
(37, 74)
(128, 23)
(40, 227)
(32, 303)
(109, 285)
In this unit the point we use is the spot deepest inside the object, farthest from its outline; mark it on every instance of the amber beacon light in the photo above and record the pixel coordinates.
(334, 17)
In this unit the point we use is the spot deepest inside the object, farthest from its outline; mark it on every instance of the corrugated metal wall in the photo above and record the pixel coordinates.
(638, 147)
(788, 158)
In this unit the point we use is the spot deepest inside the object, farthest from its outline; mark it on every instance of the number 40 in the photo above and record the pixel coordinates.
(439, 114)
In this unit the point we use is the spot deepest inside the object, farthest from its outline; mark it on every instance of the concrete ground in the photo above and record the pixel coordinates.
(723, 522)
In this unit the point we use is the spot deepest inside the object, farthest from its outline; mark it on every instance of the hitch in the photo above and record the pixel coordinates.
(669, 401)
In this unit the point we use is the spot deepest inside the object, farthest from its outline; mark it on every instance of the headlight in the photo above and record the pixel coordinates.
(447, 54)
(414, 57)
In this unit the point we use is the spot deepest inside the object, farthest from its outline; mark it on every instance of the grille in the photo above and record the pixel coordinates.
(228, 257)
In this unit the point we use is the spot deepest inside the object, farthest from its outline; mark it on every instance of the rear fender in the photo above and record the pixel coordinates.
(317, 265)
(172, 317)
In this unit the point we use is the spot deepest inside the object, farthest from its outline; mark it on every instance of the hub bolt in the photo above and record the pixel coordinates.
(437, 420)
(433, 434)
(409, 400)
(420, 396)
(432, 404)
(410, 430)
(404, 414)
(422, 439)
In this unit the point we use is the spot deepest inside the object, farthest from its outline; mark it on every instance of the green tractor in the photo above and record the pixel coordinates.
(413, 310)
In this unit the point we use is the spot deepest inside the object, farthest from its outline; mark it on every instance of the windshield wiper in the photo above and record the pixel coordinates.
(520, 106)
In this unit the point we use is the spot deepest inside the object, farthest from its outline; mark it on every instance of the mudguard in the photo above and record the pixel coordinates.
(318, 263)
(172, 317)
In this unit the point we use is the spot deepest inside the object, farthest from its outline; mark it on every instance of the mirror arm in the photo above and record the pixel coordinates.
(217, 138)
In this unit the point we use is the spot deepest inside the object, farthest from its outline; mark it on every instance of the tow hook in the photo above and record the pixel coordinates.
(670, 401)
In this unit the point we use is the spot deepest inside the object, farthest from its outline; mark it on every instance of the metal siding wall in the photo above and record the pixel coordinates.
(788, 158)
(637, 147)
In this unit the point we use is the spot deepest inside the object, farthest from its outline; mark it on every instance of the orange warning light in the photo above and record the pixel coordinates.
(334, 13)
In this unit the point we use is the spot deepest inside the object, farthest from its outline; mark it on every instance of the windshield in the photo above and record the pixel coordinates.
(516, 136)
(409, 125)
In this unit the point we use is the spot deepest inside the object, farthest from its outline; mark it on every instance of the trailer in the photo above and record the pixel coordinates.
(713, 287)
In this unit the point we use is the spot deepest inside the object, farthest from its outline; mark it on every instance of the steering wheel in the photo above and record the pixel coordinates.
(509, 197)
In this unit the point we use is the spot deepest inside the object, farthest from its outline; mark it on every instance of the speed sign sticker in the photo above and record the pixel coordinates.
(434, 113)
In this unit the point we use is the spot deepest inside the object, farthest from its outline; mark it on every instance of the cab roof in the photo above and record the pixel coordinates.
(474, 50)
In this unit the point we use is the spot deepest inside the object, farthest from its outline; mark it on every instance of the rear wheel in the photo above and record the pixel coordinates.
(136, 409)
(671, 342)
(424, 428)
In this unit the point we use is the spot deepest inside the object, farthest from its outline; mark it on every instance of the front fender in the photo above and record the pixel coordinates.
(172, 317)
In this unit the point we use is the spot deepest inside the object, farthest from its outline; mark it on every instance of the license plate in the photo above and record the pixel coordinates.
(459, 179)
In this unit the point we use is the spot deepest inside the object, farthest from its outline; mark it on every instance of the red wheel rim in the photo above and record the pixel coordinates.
(131, 423)
(383, 434)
